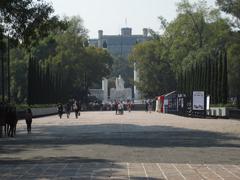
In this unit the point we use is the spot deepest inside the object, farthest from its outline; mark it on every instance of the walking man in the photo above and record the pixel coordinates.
(28, 118)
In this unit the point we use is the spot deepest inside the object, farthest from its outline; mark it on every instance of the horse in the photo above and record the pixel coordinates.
(9, 120)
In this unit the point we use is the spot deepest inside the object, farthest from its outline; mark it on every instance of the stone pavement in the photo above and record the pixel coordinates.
(120, 171)
(136, 145)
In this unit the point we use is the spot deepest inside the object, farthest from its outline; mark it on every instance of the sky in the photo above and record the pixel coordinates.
(111, 15)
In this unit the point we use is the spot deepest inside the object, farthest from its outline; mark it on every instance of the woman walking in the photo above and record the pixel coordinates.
(28, 118)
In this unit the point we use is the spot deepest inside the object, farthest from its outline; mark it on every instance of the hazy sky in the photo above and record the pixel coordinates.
(111, 15)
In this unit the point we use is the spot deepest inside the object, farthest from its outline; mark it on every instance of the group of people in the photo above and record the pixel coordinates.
(119, 106)
(68, 108)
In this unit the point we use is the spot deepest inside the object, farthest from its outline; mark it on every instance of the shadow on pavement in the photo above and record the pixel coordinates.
(49, 160)
(116, 134)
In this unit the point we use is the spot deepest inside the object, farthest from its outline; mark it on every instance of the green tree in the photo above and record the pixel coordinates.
(231, 7)
(122, 66)
(156, 75)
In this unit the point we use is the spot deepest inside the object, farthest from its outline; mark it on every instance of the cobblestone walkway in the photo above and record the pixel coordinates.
(120, 171)
(137, 145)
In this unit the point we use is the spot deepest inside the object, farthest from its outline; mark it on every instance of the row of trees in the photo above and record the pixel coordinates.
(197, 43)
(44, 86)
(51, 61)
(210, 76)
(63, 54)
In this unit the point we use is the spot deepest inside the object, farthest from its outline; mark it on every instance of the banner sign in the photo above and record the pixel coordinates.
(198, 100)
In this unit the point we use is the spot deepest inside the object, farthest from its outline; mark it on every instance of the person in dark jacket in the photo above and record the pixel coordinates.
(68, 110)
(28, 118)
(60, 110)
(116, 106)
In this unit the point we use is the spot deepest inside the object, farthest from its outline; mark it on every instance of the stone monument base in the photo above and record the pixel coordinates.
(121, 94)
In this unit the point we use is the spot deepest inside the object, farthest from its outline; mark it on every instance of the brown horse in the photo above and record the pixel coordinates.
(11, 122)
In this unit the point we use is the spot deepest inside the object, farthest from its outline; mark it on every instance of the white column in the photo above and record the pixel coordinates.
(105, 89)
(136, 79)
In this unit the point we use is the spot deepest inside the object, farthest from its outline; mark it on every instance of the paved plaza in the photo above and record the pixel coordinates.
(136, 145)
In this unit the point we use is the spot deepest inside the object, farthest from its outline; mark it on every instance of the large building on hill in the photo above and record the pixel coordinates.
(119, 45)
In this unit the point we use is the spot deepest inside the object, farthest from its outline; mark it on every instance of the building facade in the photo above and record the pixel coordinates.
(121, 45)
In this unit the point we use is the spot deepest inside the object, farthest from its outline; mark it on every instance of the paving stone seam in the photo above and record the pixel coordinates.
(197, 172)
(26, 172)
(48, 167)
(237, 167)
(78, 169)
(215, 173)
(179, 171)
(145, 171)
(164, 175)
(229, 171)
(61, 170)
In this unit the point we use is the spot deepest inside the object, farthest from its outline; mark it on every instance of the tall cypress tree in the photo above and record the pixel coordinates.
(213, 81)
(181, 82)
(185, 82)
(216, 79)
(205, 75)
(220, 76)
(201, 76)
(34, 82)
(30, 80)
(225, 78)
(209, 75)
(192, 77)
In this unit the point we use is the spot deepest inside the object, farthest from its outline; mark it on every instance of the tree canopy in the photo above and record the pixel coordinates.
(197, 35)
(64, 54)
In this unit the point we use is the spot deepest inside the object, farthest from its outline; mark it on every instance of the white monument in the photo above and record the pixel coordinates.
(119, 83)
(101, 94)
(120, 93)
(105, 89)
(136, 79)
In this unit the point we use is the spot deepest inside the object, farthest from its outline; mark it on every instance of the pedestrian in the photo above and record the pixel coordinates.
(120, 108)
(79, 108)
(146, 105)
(129, 106)
(60, 110)
(68, 110)
(76, 108)
(116, 106)
(150, 106)
(28, 118)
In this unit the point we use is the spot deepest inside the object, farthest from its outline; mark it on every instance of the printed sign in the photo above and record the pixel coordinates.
(198, 100)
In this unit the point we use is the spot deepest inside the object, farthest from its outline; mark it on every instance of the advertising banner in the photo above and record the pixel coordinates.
(198, 100)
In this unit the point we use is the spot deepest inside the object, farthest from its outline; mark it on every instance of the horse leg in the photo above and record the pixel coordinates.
(15, 127)
(12, 130)
(5, 129)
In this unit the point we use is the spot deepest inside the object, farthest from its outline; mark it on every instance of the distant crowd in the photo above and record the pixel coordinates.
(68, 108)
